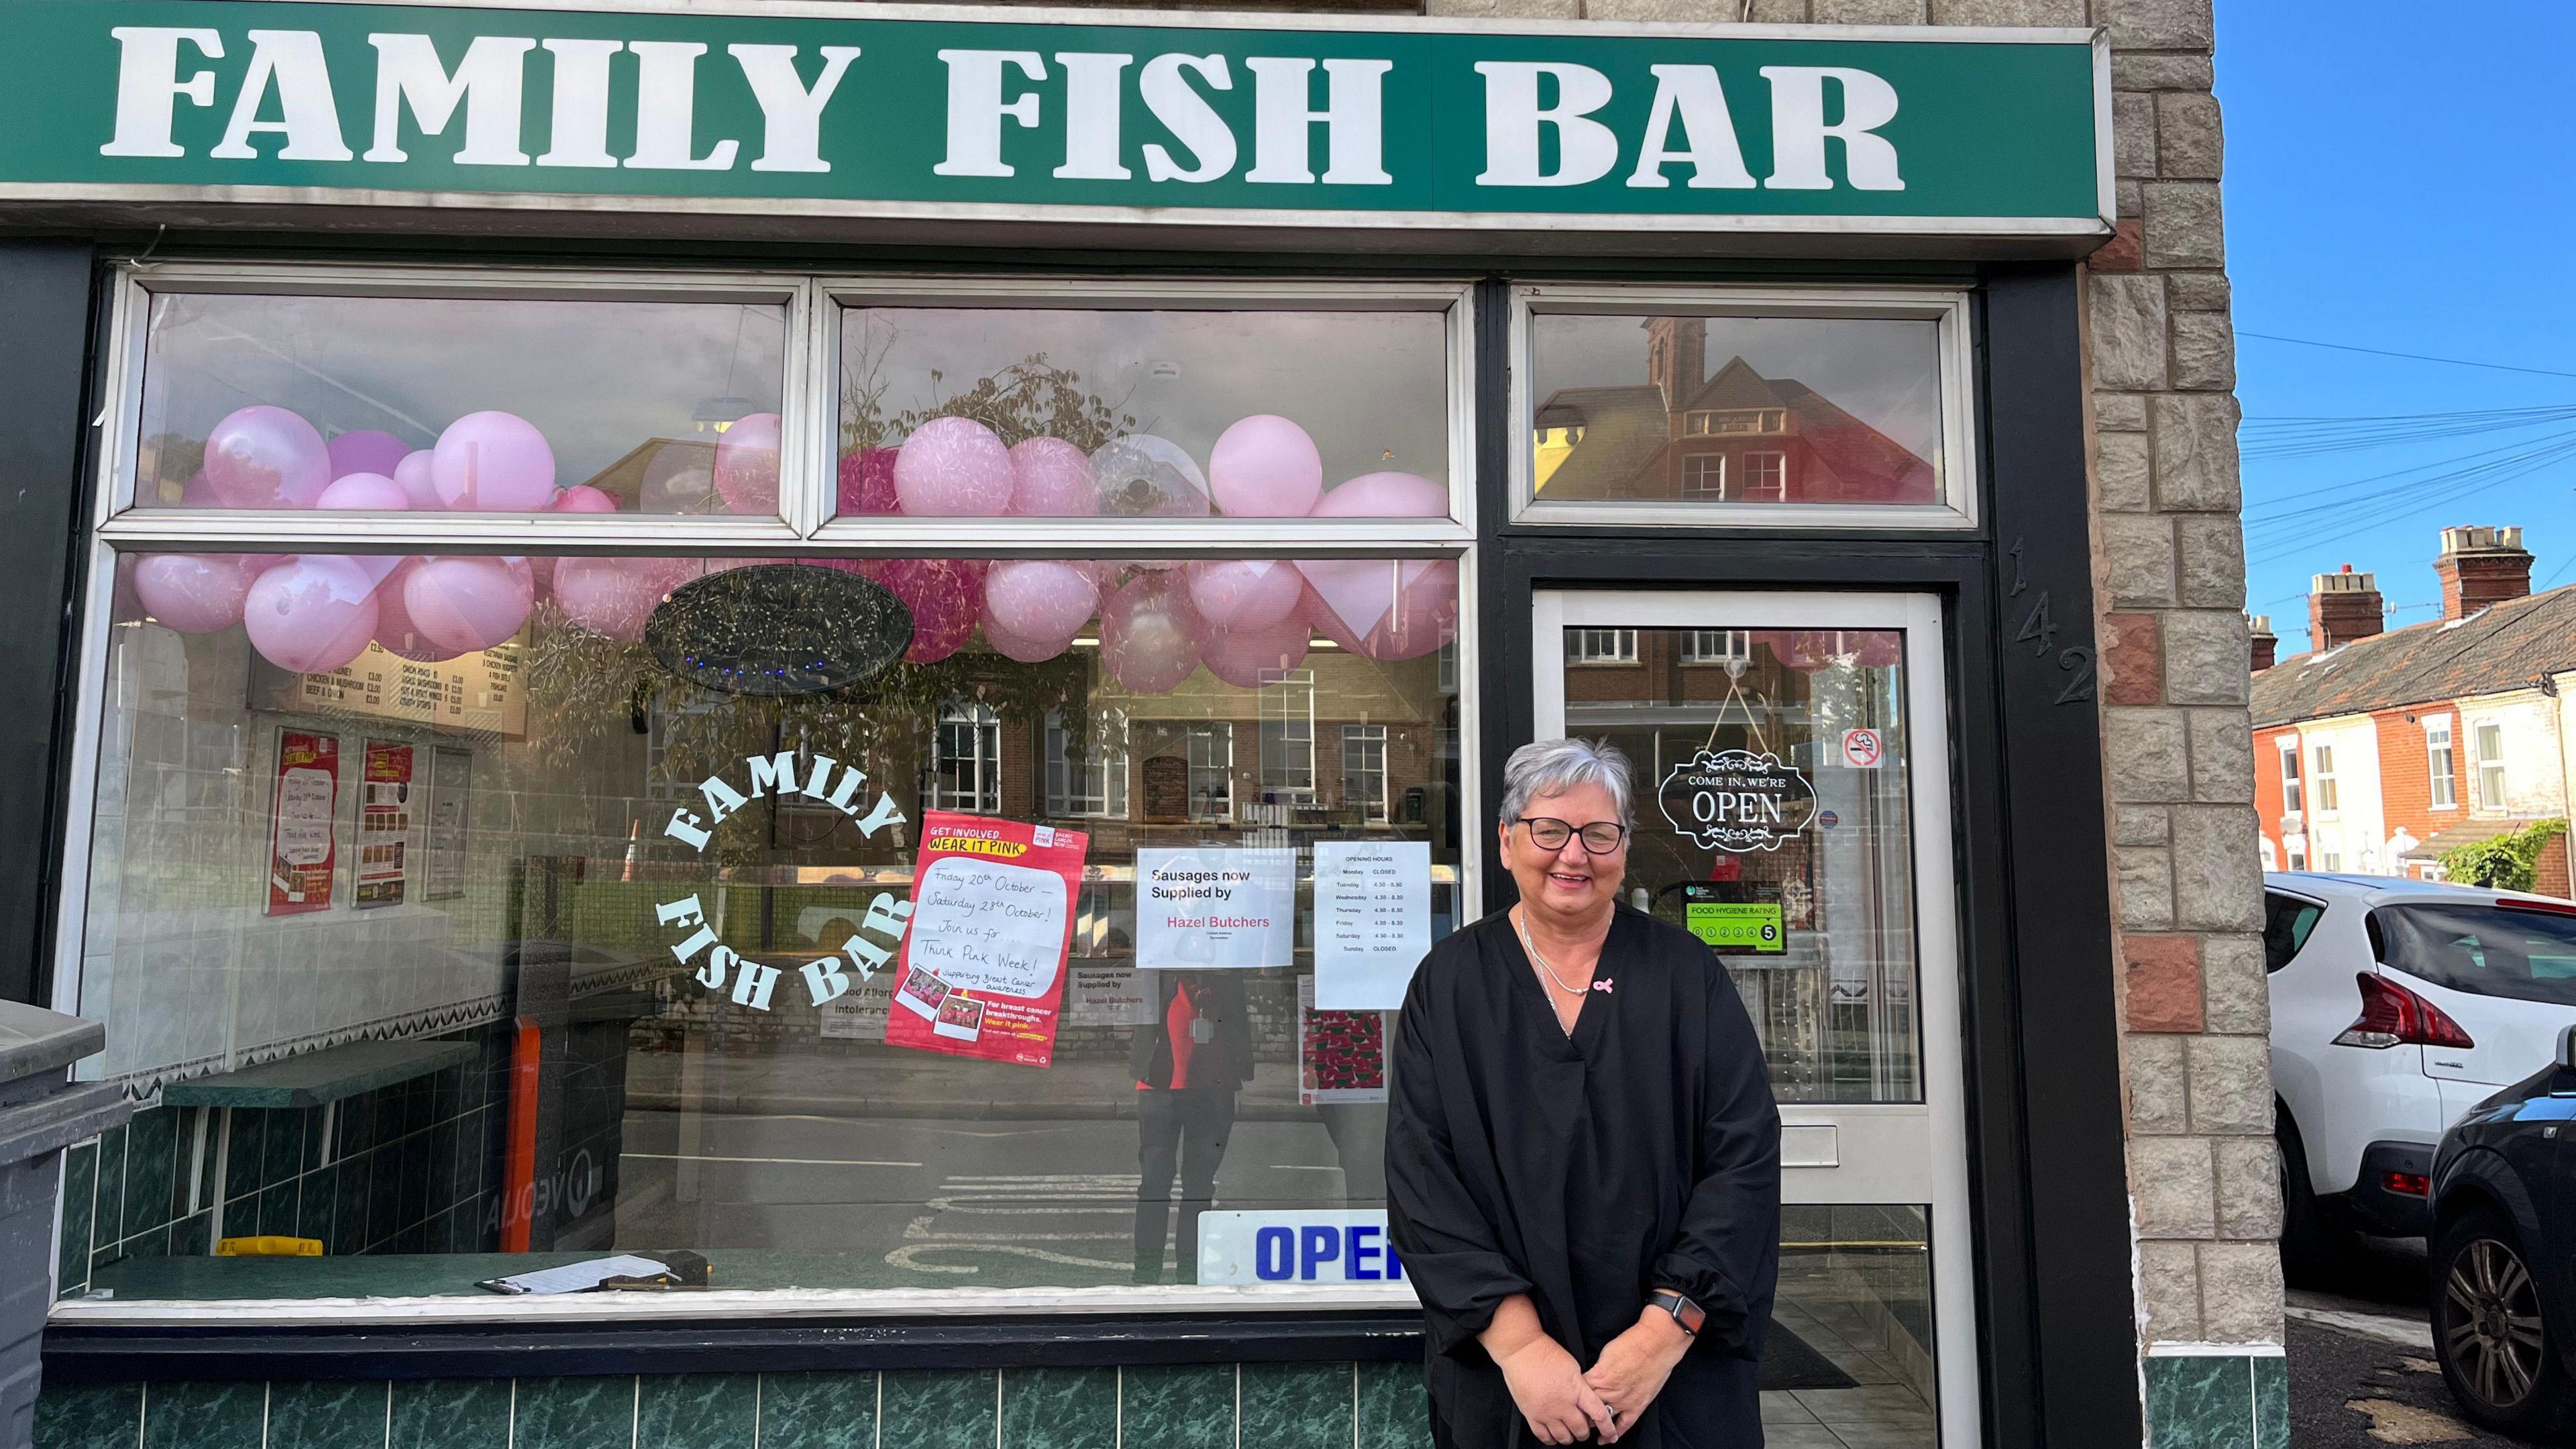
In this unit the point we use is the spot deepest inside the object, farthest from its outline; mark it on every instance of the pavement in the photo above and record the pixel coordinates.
(2362, 1374)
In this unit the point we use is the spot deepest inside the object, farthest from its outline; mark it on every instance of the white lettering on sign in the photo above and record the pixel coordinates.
(1544, 121)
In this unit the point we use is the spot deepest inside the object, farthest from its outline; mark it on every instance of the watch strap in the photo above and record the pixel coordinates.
(1686, 1313)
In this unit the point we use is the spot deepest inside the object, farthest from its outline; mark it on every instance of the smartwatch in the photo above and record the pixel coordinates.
(1686, 1313)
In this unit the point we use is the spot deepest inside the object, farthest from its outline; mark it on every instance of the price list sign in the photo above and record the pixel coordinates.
(1372, 921)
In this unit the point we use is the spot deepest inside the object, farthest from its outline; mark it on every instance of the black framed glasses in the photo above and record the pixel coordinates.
(1599, 838)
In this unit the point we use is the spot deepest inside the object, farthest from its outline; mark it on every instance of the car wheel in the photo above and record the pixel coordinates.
(2498, 1353)
(2316, 1250)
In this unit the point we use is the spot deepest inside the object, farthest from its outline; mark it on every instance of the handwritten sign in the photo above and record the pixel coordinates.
(301, 851)
(1215, 910)
(1372, 921)
(982, 972)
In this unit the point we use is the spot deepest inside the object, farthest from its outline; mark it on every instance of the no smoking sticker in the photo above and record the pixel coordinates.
(1861, 749)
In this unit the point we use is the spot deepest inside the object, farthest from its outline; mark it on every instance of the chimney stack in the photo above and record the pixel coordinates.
(2342, 607)
(2266, 643)
(2480, 567)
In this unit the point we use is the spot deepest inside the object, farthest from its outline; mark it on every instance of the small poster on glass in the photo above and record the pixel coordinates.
(301, 850)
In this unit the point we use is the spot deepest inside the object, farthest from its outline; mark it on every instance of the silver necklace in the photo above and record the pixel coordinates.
(1531, 947)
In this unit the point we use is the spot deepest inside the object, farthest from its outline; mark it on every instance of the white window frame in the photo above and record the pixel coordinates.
(2321, 779)
(984, 795)
(1376, 807)
(2441, 764)
(1734, 646)
(2294, 789)
(1695, 482)
(2492, 782)
(1105, 762)
(1287, 727)
(1957, 465)
(1210, 733)
(802, 529)
(1751, 483)
(1583, 646)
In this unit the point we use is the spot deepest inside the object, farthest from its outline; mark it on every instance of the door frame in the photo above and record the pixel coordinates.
(1938, 1178)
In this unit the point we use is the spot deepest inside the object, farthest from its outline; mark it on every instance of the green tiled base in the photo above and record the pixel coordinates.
(1181, 1406)
(2218, 1400)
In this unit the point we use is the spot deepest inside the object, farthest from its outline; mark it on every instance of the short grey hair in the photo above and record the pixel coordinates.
(1549, 767)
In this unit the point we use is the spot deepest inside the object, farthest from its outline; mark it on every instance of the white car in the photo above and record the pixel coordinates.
(2397, 1005)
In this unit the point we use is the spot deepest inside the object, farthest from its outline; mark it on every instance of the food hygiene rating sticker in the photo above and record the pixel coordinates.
(828, 978)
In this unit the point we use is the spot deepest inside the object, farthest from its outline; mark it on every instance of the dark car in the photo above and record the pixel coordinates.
(2504, 1283)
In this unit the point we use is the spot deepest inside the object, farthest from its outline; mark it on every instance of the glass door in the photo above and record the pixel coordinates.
(1793, 811)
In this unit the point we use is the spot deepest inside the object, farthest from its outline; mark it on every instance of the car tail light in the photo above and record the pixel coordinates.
(2552, 908)
(2407, 1184)
(2391, 1016)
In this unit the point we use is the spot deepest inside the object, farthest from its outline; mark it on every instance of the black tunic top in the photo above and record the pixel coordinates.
(1642, 1152)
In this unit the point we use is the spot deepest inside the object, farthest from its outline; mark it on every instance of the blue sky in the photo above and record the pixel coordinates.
(2399, 182)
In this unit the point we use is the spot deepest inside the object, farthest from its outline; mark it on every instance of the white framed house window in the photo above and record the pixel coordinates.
(1717, 646)
(2441, 765)
(2491, 781)
(1856, 401)
(1086, 770)
(2321, 779)
(966, 760)
(2293, 793)
(1600, 646)
(1364, 770)
(1211, 757)
(1288, 736)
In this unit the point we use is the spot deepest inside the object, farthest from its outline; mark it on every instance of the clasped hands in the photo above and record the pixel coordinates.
(1566, 1403)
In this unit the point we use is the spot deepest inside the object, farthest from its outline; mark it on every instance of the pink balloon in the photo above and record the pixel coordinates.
(193, 593)
(1384, 609)
(945, 596)
(954, 468)
(1053, 479)
(1039, 599)
(585, 499)
(1265, 466)
(747, 464)
(1025, 651)
(465, 605)
(496, 462)
(867, 483)
(1245, 593)
(366, 451)
(395, 632)
(1149, 634)
(413, 473)
(199, 493)
(365, 491)
(610, 596)
(1238, 656)
(311, 614)
(1385, 495)
(265, 457)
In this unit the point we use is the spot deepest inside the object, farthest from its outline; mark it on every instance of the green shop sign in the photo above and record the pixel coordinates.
(1052, 115)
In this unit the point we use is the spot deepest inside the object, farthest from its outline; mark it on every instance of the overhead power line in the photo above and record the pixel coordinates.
(2407, 356)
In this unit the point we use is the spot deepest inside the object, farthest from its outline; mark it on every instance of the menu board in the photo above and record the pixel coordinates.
(982, 968)
(384, 825)
(301, 852)
(1372, 921)
(479, 692)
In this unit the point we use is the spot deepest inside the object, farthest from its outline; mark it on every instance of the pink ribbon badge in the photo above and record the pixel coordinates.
(1601, 985)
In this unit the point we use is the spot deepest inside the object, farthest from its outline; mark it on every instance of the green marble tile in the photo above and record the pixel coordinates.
(193, 1237)
(574, 1413)
(696, 1411)
(1297, 1405)
(938, 1409)
(818, 1411)
(2272, 1403)
(451, 1414)
(238, 1217)
(204, 1416)
(1394, 1409)
(317, 1212)
(101, 1416)
(80, 1186)
(1060, 1408)
(315, 1148)
(107, 1215)
(245, 1155)
(1177, 1406)
(285, 1155)
(327, 1414)
(277, 1210)
(151, 1147)
(2200, 1403)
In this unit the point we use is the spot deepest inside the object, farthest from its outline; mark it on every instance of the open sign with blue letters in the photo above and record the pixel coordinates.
(1315, 1245)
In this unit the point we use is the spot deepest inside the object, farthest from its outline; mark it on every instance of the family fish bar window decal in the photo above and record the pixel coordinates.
(982, 942)
(1737, 801)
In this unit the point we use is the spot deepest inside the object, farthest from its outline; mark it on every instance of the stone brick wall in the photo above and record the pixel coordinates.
(2170, 587)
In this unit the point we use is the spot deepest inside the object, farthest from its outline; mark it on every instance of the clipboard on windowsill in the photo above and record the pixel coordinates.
(625, 1272)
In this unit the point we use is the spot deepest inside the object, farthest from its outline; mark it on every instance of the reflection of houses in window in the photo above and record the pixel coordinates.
(1600, 646)
(1364, 770)
(966, 759)
(1717, 646)
(1211, 755)
(1735, 436)
(1287, 735)
(1086, 771)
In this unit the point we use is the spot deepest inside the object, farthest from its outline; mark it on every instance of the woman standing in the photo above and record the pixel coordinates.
(1583, 1158)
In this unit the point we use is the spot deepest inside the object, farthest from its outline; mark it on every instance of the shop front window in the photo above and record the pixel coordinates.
(824, 913)
(1816, 410)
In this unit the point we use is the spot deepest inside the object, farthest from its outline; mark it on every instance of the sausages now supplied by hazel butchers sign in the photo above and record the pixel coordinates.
(992, 922)
(1215, 909)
